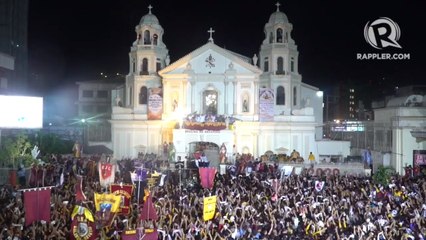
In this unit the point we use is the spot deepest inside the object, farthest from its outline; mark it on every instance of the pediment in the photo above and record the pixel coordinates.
(211, 59)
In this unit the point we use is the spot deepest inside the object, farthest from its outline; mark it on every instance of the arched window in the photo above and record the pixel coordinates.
(280, 66)
(280, 95)
(155, 39)
(144, 70)
(146, 37)
(158, 64)
(266, 65)
(271, 37)
(279, 35)
(294, 96)
(133, 65)
(143, 95)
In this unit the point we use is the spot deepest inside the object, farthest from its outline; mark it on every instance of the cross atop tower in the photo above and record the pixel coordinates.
(150, 7)
(278, 6)
(211, 31)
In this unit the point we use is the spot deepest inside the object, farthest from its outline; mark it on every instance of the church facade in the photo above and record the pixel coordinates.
(249, 104)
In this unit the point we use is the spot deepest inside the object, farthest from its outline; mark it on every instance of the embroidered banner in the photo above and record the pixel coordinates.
(125, 192)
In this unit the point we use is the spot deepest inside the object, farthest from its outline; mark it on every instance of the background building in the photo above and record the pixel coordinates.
(13, 41)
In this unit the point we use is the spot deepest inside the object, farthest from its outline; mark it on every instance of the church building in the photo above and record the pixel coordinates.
(216, 96)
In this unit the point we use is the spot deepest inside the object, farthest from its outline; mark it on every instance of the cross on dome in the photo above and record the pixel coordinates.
(150, 7)
(211, 31)
(278, 6)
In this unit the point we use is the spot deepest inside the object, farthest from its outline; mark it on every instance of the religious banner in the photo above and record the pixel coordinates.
(148, 211)
(83, 224)
(149, 234)
(266, 105)
(78, 187)
(125, 192)
(107, 205)
(209, 207)
(207, 175)
(37, 205)
(130, 235)
(106, 174)
(155, 103)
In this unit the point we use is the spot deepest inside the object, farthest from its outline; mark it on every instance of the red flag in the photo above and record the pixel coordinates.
(37, 205)
(148, 210)
(126, 192)
(79, 194)
(207, 176)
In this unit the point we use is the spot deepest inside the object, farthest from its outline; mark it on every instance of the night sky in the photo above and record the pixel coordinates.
(76, 40)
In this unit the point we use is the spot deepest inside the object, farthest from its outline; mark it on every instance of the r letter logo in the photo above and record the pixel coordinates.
(381, 33)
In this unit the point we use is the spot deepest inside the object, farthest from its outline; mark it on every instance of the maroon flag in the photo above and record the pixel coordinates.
(78, 187)
(129, 235)
(126, 192)
(37, 205)
(207, 176)
(148, 210)
(149, 234)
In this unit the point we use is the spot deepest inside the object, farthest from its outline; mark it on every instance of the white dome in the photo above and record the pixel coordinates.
(278, 17)
(149, 19)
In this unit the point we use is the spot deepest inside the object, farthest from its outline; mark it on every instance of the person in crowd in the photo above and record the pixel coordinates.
(258, 205)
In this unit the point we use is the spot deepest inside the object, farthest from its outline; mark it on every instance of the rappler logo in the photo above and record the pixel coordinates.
(382, 33)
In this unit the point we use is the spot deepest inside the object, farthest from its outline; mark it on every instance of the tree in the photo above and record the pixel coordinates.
(383, 175)
(14, 149)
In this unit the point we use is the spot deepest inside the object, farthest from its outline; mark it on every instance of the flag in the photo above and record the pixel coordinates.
(106, 174)
(149, 234)
(207, 176)
(107, 205)
(37, 205)
(129, 235)
(138, 175)
(125, 192)
(82, 226)
(78, 187)
(319, 185)
(209, 207)
(163, 177)
(107, 202)
(148, 210)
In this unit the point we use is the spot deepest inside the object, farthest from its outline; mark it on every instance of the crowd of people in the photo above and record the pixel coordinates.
(256, 205)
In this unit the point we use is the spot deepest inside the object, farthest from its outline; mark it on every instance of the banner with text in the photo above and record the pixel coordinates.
(266, 104)
(155, 103)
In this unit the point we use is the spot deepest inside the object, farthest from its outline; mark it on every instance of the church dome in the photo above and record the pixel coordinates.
(149, 19)
(278, 17)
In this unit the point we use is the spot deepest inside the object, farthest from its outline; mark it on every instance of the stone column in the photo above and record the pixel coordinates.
(225, 97)
(234, 93)
(256, 98)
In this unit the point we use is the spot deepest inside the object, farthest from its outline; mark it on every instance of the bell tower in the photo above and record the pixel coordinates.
(148, 55)
(278, 58)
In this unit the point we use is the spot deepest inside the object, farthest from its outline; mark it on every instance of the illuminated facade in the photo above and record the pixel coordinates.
(265, 94)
